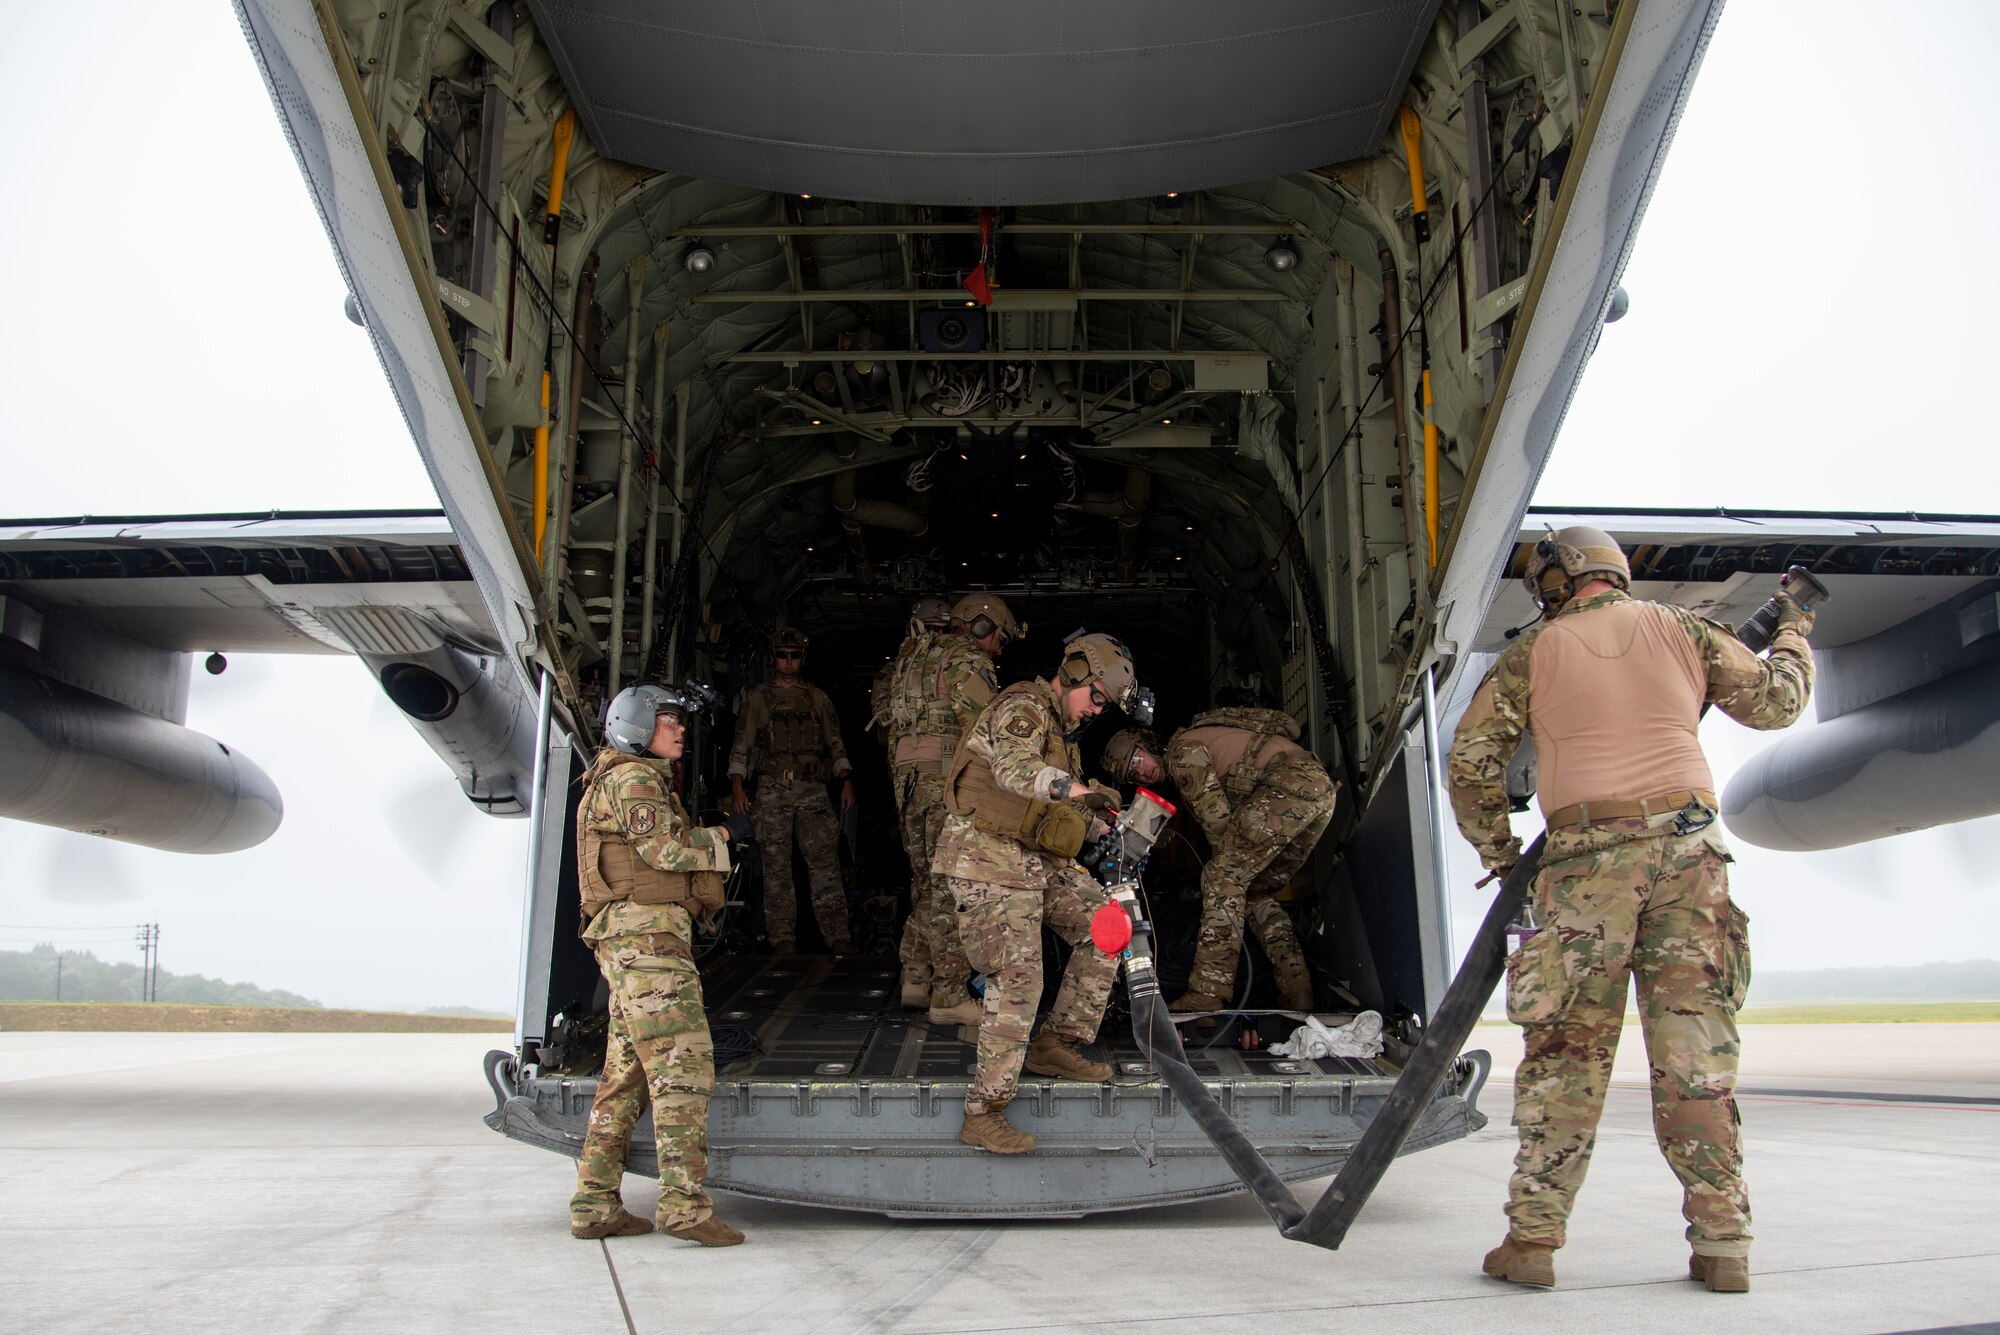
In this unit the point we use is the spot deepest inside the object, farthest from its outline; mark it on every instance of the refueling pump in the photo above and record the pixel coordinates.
(1118, 858)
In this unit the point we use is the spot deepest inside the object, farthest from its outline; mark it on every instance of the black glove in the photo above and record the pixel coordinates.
(741, 831)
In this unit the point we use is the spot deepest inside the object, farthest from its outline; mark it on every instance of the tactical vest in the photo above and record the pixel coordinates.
(609, 870)
(971, 790)
(925, 719)
(790, 739)
(1240, 742)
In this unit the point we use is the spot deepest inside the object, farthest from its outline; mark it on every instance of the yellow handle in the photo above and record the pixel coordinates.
(1413, 151)
(558, 168)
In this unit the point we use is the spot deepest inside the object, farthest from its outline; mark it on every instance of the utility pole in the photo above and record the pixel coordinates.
(58, 975)
(148, 942)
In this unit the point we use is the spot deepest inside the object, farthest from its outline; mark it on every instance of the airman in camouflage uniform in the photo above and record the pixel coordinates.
(942, 684)
(645, 869)
(789, 736)
(1263, 801)
(1019, 814)
(1633, 883)
(878, 704)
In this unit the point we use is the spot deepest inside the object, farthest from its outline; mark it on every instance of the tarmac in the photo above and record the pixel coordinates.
(335, 1182)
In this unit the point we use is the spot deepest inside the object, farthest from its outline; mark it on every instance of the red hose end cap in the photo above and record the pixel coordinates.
(1111, 929)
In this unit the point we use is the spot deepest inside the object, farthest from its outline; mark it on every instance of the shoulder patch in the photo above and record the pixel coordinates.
(1021, 726)
(642, 817)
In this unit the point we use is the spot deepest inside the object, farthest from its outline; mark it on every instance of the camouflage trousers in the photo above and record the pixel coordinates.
(930, 949)
(798, 808)
(1270, 835)
(657, 1050)
(1623, 899)
(1001, 928)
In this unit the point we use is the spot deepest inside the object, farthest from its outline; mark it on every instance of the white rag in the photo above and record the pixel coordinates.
(1359, 1037)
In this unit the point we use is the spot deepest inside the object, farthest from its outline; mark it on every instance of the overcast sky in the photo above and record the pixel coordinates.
(1809, 310)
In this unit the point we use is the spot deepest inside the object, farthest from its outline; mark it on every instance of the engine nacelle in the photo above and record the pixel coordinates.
(80, 762)
(474, 714)
(1930, 756)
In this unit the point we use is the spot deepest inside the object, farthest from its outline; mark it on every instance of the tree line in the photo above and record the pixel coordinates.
(30, 975)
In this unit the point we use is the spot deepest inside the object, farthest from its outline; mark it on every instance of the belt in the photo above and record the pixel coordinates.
(1590, 813)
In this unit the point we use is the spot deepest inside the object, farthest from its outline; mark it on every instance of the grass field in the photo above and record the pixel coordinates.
(129, 1017)
(1872, 1012)
(1853, 1012)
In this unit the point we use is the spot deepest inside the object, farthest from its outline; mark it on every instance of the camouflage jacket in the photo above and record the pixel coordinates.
(788, 728)
(1763, 693)
(1020, 734)
(1205, 787)
(632, 799)
(879, 695)
(941, 688)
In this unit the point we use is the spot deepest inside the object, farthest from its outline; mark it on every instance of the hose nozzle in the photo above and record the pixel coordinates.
(1797, 584)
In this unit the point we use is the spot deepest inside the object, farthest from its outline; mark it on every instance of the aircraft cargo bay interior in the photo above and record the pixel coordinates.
(1238, 425)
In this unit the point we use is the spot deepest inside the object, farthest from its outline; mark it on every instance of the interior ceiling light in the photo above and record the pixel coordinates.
(1281, 256)
(699, 258)
(1166, 421)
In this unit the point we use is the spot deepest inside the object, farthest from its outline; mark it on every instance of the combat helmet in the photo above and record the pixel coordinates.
(1122, 750)
(980, 614)
(630, 717)
(1105, 661)
(933, 610)
(788, 637)
(1560, 560)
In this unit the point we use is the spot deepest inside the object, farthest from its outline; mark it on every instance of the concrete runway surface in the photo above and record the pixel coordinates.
(331, 1182)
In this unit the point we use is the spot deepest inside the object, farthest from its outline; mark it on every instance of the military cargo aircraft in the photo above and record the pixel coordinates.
(1242, 333)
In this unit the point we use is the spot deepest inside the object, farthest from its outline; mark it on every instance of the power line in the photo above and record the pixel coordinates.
(52, 927)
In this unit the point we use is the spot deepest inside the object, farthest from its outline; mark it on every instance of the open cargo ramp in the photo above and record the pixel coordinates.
(854, 1103)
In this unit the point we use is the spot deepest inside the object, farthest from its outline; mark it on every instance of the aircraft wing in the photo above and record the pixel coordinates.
(101, 619)
(1907, 651)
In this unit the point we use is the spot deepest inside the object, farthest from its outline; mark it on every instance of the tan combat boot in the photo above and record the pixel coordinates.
(1052, 1054)
(990, 1130)
(710, 1232)
(967, 1011)
(1189, 1003)
(916, 990)
(1722, 1274)
(1520, 1262)
(619, 1225)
